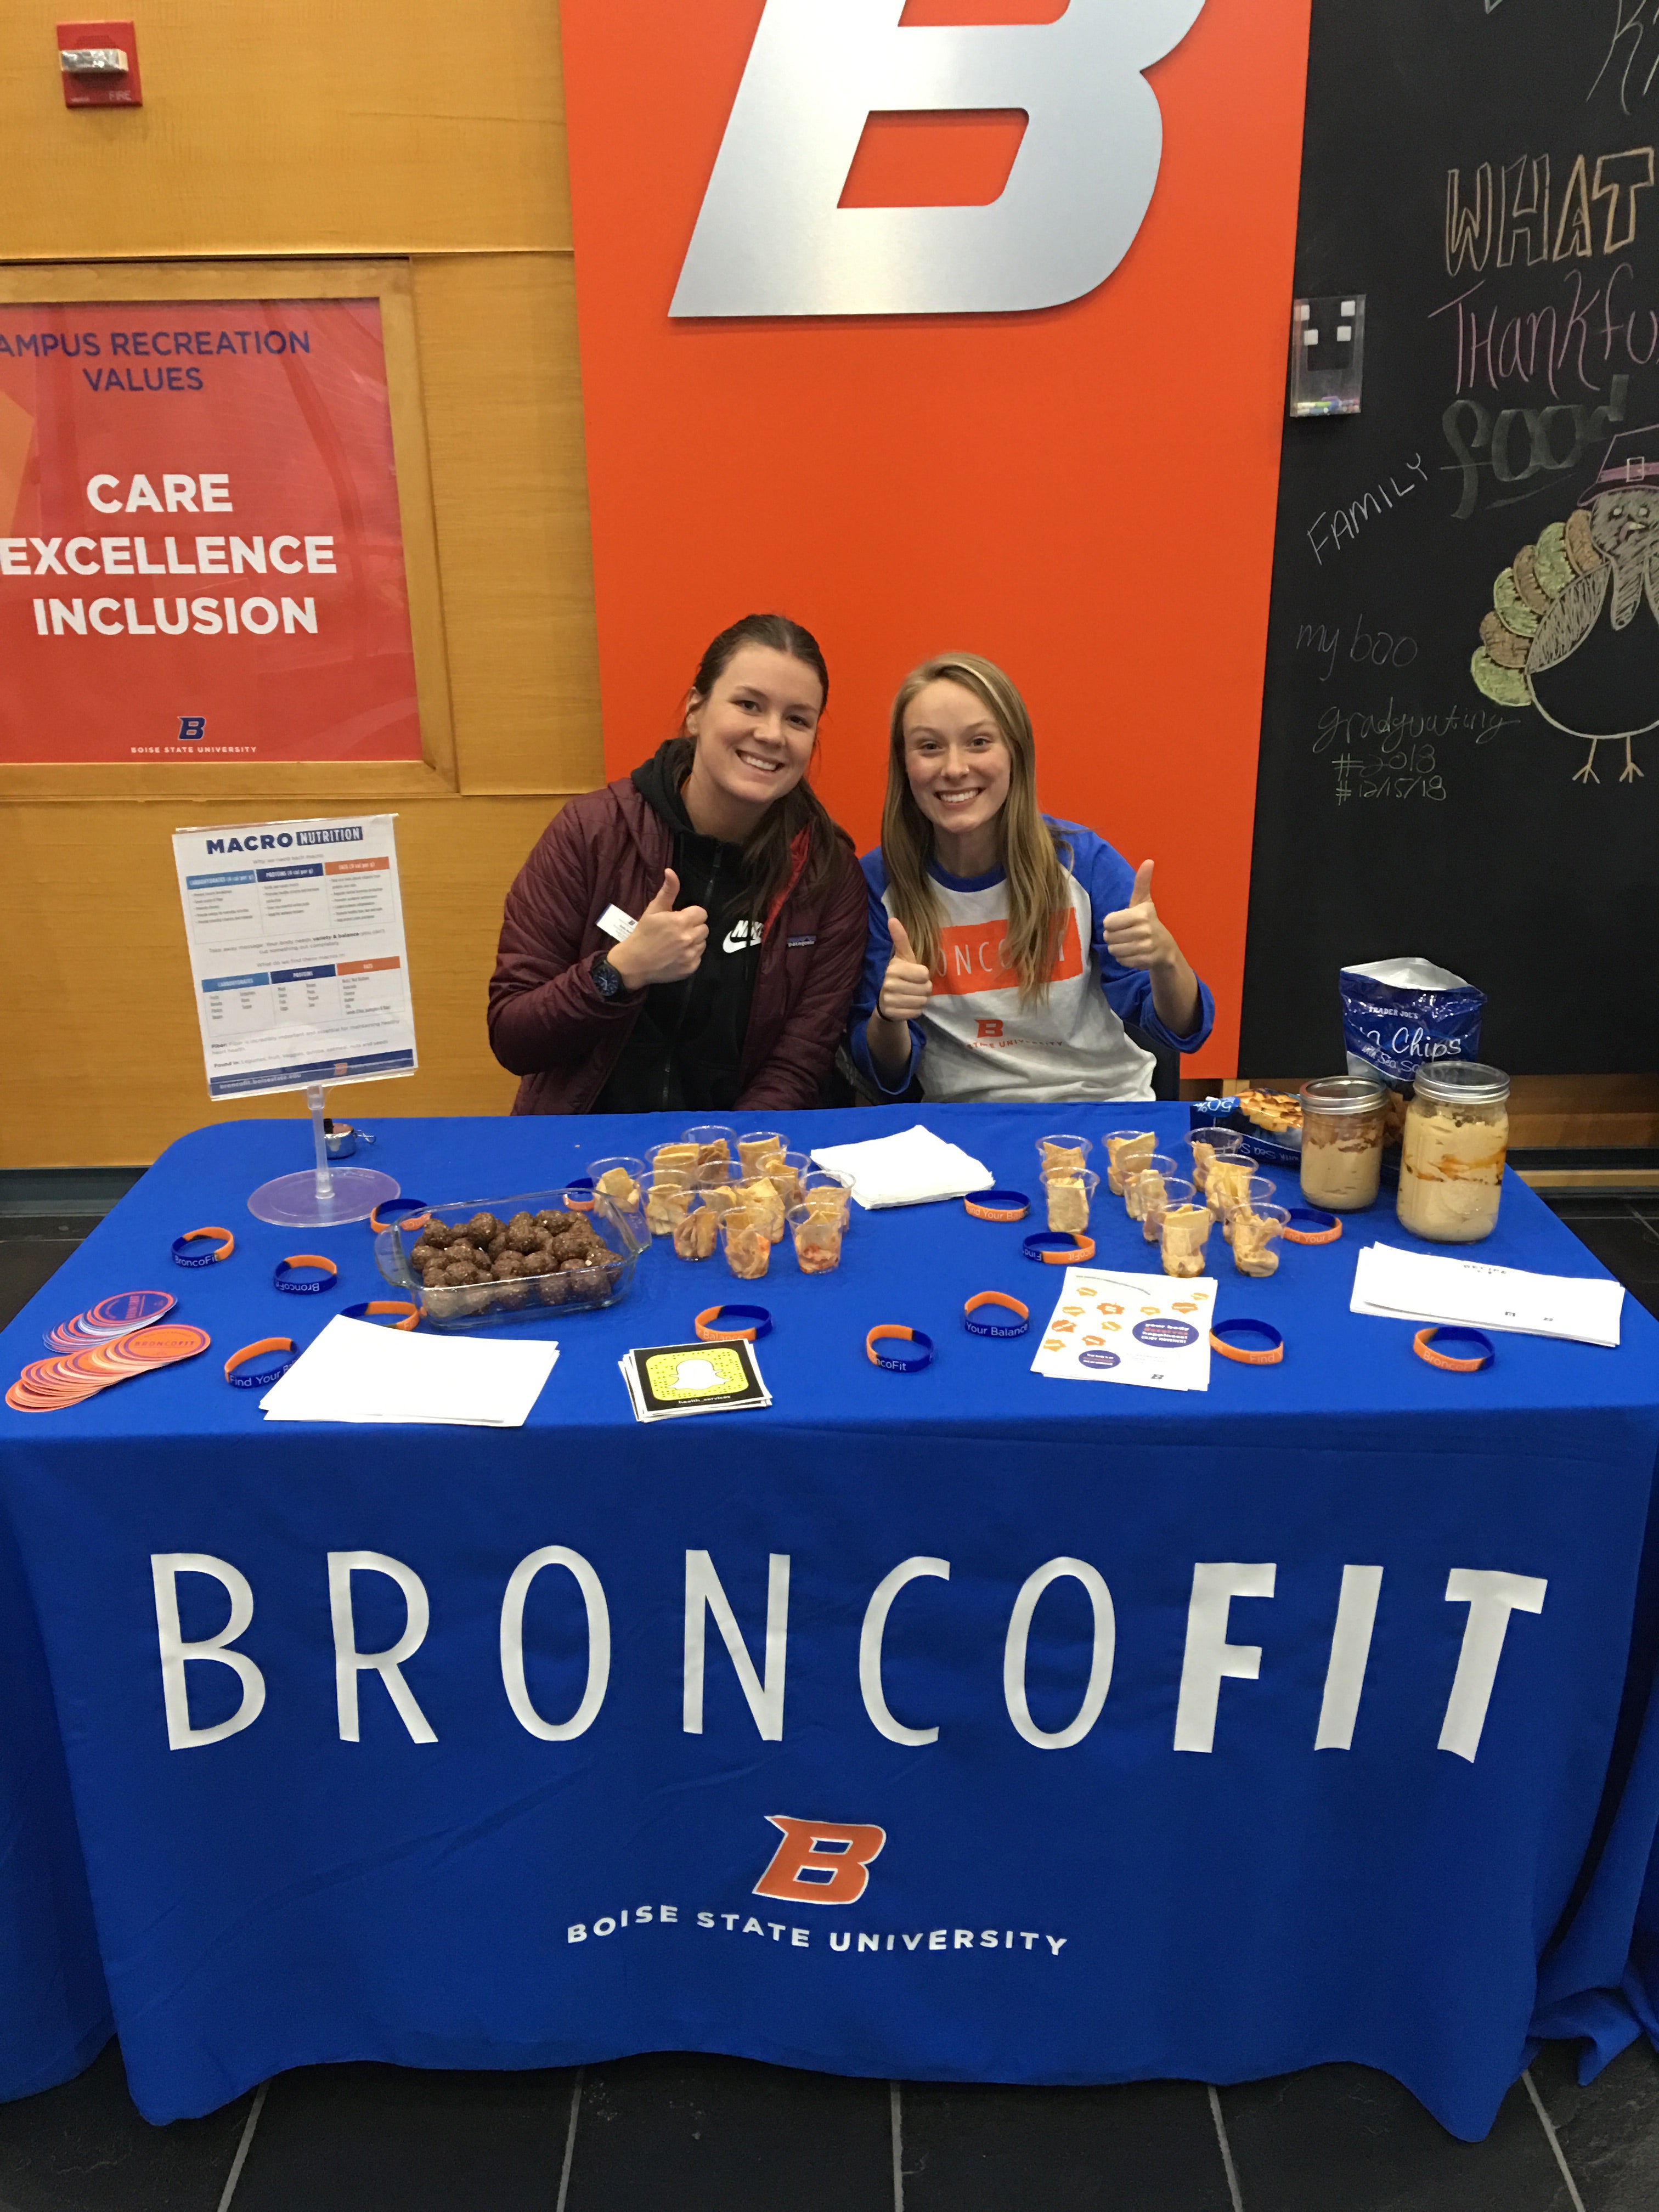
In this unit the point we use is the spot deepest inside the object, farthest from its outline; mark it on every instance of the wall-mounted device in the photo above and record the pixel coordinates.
(1327, 348)
(99, 65)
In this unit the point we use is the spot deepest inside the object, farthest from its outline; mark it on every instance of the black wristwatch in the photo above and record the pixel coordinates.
(608, 983)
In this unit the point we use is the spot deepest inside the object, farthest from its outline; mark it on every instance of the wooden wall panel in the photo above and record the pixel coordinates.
(292, 126)
(504, 438)
(103, 1064)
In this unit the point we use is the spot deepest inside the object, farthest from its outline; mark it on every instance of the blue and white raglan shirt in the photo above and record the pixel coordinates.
(976, 1044)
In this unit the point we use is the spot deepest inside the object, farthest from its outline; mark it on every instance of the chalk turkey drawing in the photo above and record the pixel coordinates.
(1574, 627)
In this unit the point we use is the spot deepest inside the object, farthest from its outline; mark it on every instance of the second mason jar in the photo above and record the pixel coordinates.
(1451, 1155)
(1344, 1119)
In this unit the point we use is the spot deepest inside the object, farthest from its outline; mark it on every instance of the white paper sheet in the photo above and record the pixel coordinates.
(913, 1168)
(357, 1372)
(1150, 1330)
(1398, 1286)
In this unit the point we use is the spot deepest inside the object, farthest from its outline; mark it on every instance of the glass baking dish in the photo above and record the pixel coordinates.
(493, 1302)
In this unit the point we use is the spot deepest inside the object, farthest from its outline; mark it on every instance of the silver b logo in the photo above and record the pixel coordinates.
(771, 240)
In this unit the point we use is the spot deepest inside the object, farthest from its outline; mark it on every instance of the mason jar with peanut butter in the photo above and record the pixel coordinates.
(1344, 1120)
(1452, 1152)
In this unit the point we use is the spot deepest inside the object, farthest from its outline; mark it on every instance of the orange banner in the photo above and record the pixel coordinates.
(200, 553)
(1084, 490)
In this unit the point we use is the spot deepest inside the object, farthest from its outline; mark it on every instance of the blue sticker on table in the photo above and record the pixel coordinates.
(1098, 1359)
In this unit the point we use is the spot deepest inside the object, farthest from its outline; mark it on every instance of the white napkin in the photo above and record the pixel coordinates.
(357, 1372)
(1397, 1285)
(910, 1168)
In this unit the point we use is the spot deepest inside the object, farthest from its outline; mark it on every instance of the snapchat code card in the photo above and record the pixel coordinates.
(668, 1380)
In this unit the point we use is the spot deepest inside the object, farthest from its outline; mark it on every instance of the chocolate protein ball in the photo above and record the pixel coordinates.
(523, 1235)
(439, 1233)
(482, 1227)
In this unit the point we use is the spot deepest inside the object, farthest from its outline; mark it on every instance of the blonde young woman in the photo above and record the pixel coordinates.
(1006, 949)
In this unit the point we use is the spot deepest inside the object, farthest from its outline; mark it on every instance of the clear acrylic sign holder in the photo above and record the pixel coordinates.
(324, 1196)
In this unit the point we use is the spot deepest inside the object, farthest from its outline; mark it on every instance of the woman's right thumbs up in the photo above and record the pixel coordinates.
(662, 947)
(906, 986)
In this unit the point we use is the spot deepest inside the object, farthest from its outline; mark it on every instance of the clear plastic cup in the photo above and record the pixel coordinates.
(1182, 1233)
(817, 1239)
(619, 1177)
(713, 1139)
(1157, 1197)
(759, 1194)
(675, 1159)
(758, 1145)
(826, 1191)
(1063, 1155)
(1068, 1196)
(697, 1231)
(720, 1183)
(746, 1243)
(1252, 1233)
(1256, 1194)
(786, 1175)
(666, 1197)
(1128, 1151)
(1204, 1144)
(1229, 1174)
(1161, 1164)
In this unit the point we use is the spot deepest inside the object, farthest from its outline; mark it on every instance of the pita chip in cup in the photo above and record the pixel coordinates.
(829, 1191)
(1136, 1189)
(667, 1197)
(713, 1139)
(1058, 1155)
(1228, 1178)
(1181, 1239)
(618, 1177)
(1253, 1230)
(697, 1231)
(818, 1240)
(1127, 1151)
(766, 1208)
(759, 1146)
(1158, 1193)
(1067, 1194)
(1256, 1194)
(746, 1243)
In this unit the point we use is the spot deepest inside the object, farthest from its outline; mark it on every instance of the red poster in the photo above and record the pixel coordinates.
(201, 555)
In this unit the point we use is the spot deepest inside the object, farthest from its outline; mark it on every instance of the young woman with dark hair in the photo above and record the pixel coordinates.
(1007, 950)
(689, 936)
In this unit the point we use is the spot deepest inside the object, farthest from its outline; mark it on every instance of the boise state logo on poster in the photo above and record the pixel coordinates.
(190, 727)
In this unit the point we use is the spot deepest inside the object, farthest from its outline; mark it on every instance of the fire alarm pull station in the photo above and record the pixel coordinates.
(100, 65)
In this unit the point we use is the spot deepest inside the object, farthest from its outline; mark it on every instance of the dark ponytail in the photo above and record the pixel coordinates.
(766, 852)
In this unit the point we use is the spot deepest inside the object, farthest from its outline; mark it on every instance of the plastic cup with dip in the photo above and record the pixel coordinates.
(713, 1139)
(697, 1231)
(1251, 1232)
(667, 1195)
(759, 1195)
(619, 1178)
(1127, 1151)
(1157, 1199)
(1063, 1155)
(786, 1175)
(759, 1145)
(1068, 1192)
(818, 1240)
(1182, 1233)
(746, 1243)
(828, 1192)
(1256, 1195)
(1160, 1165)
(720, 1183)
(1229, 1173)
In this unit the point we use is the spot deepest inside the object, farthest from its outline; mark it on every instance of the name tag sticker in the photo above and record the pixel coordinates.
(801, 940)
(615, 924)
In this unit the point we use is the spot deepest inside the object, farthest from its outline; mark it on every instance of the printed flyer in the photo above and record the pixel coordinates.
(1150, 1329)
(297, 952)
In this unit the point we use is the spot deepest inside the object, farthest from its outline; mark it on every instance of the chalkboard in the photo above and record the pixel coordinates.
(1484, 171)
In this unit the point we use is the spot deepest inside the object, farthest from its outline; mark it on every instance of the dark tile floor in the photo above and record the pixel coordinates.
(674, 2133)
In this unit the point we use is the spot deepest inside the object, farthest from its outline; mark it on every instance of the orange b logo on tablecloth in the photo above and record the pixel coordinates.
(821, 1861)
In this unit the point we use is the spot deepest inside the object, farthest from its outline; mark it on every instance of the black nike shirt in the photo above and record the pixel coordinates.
(686, 1048)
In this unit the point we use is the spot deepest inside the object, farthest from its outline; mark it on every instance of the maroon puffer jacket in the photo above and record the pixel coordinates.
(547, 1022)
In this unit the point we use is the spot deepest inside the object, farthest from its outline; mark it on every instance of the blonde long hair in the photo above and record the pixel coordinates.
(1036, 882)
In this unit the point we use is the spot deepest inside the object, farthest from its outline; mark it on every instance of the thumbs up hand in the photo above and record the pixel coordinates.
(662, 947)
(1134, 936)
(906, 986)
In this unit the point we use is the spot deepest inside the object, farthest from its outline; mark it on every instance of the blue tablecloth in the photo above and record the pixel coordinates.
(459, 1887)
